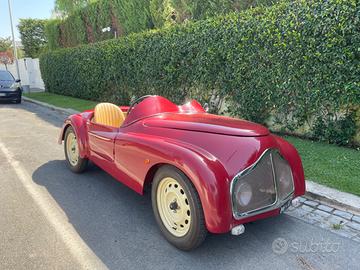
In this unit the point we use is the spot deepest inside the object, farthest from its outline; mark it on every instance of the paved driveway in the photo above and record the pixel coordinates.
(53, 219)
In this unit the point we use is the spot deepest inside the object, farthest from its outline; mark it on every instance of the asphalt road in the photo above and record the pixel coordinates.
(51, 218)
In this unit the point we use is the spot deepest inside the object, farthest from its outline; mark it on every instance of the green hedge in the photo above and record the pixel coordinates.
(290, 65)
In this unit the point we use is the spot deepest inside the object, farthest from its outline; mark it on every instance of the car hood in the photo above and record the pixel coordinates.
(208, 123)
(5, 84)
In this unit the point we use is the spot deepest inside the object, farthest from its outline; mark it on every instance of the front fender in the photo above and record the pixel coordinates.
(78, 123)
(206, 173)
(290, 153)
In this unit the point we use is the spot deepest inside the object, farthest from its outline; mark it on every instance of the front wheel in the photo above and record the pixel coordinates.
(71, 148)
(177, 208)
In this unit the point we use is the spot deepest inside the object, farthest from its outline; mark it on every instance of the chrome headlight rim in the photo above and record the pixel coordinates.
(278, 203)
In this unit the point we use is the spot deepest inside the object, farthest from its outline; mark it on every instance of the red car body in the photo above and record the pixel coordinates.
(209, 149)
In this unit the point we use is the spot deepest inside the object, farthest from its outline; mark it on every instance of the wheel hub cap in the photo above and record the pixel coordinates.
(173, 206)
(72, 149)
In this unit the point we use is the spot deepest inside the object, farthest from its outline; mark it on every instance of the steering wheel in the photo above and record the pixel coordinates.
(137, 101)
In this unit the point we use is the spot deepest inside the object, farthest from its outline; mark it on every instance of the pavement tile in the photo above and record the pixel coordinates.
(336, 220)
(302, 199)
(356, 219)
(291, 208)
(314, 218)
(325, 208)
(311, 203)
(298, 213)
(345, 232)
(307, 208)
(322, 213)
(343, 214)
(356, 238)
(354, 225)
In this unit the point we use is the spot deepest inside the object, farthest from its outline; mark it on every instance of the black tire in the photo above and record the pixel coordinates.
(82, 163)
(18, 100)
(197, 231)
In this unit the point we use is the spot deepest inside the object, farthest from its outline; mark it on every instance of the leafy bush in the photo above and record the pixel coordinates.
(168, 12)
(32, 32)
(73, 30)
(291, 61)
(52, 32)
(84, 25)
(335, 129)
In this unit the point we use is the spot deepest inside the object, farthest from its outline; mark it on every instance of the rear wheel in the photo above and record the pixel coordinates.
(177, 208)
(71, 148)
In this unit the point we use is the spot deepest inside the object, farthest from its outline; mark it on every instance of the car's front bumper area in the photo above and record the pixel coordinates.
(10, 95)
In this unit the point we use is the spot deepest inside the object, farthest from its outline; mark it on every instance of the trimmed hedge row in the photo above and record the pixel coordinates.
(291, 65)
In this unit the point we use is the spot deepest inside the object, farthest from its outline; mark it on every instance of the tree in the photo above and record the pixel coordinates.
(67, 7)
(6, 56)
(5, 44)
(33, 38)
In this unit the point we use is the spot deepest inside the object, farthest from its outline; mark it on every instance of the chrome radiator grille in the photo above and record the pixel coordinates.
(263, 186)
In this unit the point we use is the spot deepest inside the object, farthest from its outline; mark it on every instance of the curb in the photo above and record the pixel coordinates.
(332, 197)
(67, 111)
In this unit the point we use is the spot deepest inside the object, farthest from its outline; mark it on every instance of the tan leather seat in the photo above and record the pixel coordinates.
(108, 114)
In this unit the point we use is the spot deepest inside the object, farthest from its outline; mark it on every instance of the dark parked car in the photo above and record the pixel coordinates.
(10, 89)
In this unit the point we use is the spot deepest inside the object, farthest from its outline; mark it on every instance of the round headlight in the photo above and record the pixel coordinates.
(284, 176)
(244, 194)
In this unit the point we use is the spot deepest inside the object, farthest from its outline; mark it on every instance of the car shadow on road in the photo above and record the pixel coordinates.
(118, 225)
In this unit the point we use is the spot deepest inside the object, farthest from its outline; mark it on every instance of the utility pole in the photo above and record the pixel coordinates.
(13, 40)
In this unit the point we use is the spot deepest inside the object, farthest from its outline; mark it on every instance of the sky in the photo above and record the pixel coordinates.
(39, 9)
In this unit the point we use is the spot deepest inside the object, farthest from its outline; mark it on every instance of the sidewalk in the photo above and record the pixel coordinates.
(320, 214)
(338, 199)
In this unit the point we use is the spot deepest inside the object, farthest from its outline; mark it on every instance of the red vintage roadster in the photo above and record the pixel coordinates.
(207, 173)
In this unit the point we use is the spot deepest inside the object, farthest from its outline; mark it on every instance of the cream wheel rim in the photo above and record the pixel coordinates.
(72, 149)
(173, 206)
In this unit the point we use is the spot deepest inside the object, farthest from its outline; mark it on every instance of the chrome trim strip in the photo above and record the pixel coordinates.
(277, 203)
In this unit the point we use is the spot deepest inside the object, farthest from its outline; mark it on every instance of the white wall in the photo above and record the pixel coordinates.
(29, 72)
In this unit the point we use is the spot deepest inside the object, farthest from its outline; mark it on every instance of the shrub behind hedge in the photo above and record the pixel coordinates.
(85, 25)
(297, 62)
(169, 12)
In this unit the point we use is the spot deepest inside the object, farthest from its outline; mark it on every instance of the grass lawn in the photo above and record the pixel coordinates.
(63, 101)
(330, 165)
